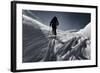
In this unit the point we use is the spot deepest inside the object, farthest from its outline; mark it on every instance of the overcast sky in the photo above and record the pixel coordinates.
(67, 20)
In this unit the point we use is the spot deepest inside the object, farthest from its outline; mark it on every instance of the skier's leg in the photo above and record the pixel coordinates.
(53, 31)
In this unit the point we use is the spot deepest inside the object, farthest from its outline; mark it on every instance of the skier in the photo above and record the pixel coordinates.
(54, 23)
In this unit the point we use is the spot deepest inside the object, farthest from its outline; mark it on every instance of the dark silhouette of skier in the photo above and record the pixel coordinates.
(54, 23)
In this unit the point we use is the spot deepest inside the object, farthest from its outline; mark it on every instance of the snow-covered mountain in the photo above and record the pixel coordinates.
(40, 45)
(86, 32)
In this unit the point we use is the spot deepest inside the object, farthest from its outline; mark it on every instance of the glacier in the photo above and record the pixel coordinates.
(39, 45)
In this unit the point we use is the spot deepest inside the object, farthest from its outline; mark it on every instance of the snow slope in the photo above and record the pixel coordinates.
(39, 45)
(86, 31)
(34, 40)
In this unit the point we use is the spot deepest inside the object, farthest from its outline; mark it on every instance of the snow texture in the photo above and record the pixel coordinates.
(40, 45)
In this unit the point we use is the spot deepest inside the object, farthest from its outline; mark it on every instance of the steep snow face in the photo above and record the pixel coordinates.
(39, 45)
(86, 32)
(36, 23)
(34, 40)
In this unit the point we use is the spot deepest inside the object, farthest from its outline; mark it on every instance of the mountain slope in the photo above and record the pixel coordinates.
(34, 40)
(40, 45)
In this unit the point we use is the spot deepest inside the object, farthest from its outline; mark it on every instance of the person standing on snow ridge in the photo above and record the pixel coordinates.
(54, 23)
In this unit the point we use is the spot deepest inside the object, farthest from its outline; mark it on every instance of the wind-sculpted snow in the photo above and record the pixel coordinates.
(39, 45)
(34, 41)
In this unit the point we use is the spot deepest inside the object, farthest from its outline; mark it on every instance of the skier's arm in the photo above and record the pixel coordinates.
(57, 22)
(51, 23)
